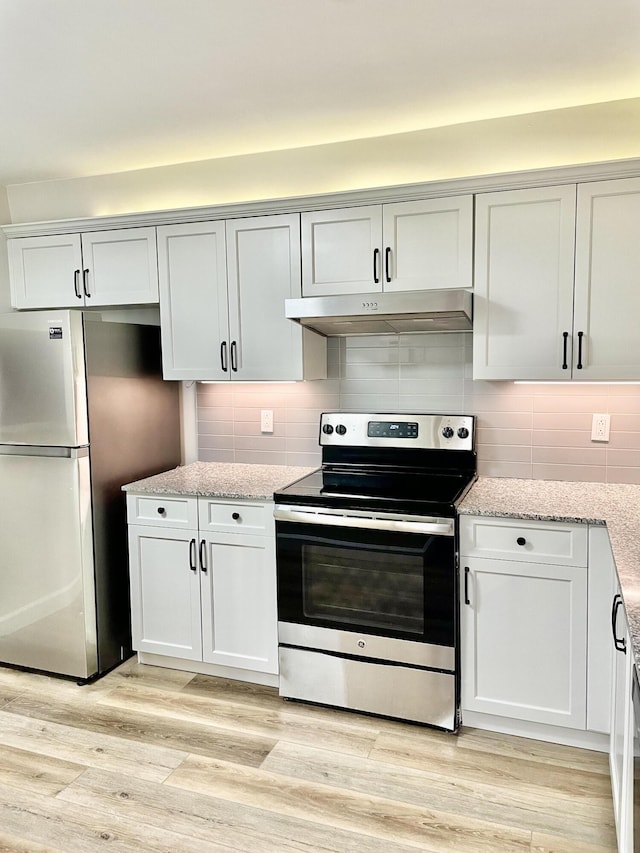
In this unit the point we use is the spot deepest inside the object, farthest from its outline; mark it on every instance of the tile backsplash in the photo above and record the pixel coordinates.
(541, 431)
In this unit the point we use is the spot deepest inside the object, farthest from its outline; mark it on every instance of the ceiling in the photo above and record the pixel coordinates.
(99, 86)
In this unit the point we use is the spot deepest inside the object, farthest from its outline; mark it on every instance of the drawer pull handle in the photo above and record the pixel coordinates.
(619, 642)
(161, 510)
(521, 540)
(192, 555)
(203, 555)
(235, 516)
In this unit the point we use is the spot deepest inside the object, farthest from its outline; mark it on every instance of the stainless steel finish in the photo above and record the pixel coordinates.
(378, 313)
(64, 604)
(420, 695)
(430, 430)
(30, 450)
(43, 395)
(363, 520)
(47, 603)
(366, 646)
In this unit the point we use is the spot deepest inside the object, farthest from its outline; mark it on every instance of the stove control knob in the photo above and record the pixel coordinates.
(447, 432)
(463, 432)
(327, 429)
(341, 429)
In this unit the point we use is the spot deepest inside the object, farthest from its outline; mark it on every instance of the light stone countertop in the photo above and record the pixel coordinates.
(615, 505)
(220, 480)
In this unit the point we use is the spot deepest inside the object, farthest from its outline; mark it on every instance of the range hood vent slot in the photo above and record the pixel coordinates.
(384, 313)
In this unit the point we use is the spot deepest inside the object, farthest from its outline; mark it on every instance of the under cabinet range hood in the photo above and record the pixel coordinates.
(380, 313)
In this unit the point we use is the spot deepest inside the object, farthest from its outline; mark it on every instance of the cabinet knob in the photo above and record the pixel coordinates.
(235, 516)
(521, 540)
(161, 510)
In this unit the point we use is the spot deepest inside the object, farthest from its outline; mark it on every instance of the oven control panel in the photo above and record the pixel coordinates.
(433, 432)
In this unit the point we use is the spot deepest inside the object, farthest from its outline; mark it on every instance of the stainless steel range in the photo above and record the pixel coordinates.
(367, 566)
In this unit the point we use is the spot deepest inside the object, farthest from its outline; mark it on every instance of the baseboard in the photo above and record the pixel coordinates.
(202, 668)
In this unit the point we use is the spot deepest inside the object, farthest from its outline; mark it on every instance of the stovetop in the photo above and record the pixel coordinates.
(407, 464)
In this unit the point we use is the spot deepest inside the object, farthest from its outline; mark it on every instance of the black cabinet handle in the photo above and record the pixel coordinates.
(376, 257)
(161, 510)
(223, 356)
(235, 516)
(76, 283)
(619, 642)
(565, 335)
(203, 556)
(466, 585)
(521, 540)
(192, 556)
(85, 283)
(234, 356)
(580, 337)
(387, 263)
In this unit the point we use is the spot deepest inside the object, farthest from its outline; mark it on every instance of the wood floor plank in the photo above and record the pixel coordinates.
(88, 748)
(542, 843)
(52, 824)
(496, 743)
(341, 733)
(35, 772)
(385, 819)
(247, 827)
(505, 769)
(170, 732)
(14, 844)
(508, 805)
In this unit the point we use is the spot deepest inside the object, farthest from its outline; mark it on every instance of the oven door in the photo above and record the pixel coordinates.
(382, 576)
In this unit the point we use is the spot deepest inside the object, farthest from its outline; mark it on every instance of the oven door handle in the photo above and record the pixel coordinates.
(434, 528)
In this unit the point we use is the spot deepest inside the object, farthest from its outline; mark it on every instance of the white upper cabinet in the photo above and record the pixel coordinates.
(416, 245)
(82, 270)
(607, 288)
(523, 297)
(222, 292)
(557, 285)
(192, 271)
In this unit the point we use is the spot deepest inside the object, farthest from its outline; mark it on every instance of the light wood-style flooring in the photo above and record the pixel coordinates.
(151, 759)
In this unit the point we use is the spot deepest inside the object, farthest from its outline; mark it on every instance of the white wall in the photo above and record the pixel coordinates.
(592, 133)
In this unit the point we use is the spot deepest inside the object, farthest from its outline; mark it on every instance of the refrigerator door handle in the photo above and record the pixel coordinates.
(37, 450)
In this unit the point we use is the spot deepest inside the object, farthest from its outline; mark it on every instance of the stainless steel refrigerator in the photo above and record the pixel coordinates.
(83, 410)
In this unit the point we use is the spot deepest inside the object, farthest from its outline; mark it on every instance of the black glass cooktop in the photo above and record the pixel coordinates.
(402, 491)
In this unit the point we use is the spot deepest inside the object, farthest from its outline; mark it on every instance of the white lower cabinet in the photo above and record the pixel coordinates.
(523, 620)
(621, 741)
(203, 583)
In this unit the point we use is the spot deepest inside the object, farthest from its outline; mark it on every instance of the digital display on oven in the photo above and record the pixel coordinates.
(392, 429)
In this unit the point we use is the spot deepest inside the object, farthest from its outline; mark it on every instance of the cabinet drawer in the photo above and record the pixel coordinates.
(163, 511)
(236, 517)
(559, 543)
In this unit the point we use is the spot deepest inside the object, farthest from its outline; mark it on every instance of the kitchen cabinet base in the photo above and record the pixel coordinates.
(536, 731)
(203, 668)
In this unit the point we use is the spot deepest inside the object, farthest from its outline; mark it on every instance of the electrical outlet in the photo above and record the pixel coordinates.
(600, 428)
(266, 420)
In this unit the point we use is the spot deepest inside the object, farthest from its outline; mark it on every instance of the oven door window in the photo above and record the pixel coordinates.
(386, 583)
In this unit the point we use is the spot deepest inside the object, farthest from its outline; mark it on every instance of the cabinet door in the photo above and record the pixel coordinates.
(120, 267)
(342, 251)
(45, 272)
(523, 289)
(428, 245)
(524, 640)
(193, 301)
(264, 270)
(607, 297)
(621, 741)
(239, 614)
(165, 592)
